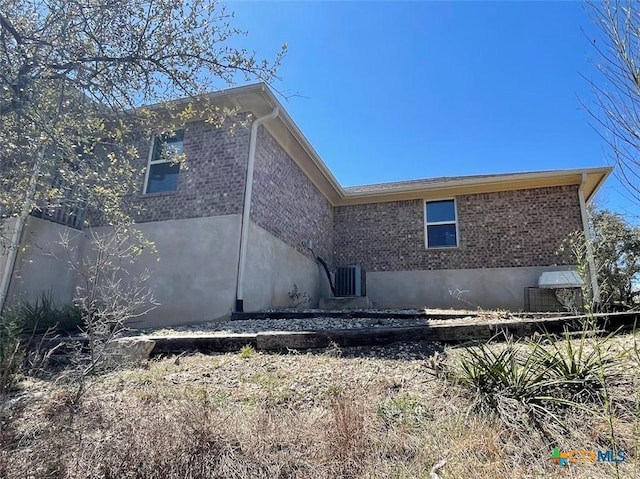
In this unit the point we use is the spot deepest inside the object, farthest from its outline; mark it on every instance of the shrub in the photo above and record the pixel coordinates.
(19, 323)
(44, 315)
(579, 367)
(529, 382)
(497, 375)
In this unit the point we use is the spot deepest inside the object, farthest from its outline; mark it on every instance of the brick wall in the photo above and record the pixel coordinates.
(286, 203)
(505, 229)
(213, 182)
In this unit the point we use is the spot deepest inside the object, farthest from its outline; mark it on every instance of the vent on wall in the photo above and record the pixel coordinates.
(350, 281)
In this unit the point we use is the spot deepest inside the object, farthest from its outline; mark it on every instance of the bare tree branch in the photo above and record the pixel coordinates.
(617, 91)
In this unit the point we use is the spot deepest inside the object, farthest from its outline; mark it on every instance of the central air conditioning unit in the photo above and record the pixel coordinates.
(350, 281)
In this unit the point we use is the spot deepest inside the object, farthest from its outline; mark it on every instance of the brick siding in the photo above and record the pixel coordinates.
(212, 184)
(504, 229)
(286, 203)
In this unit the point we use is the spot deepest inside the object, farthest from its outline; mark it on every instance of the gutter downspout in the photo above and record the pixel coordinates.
(246, 211)
(9, 266)
(593, 276)
(18, 228)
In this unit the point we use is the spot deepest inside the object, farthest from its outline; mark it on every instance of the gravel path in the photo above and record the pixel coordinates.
(309, 324)
(312, 324)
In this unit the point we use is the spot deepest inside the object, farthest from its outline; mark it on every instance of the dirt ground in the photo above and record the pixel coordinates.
(359, 412)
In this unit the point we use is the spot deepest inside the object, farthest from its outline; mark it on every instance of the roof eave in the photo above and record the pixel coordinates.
(259, 99)
(595, 176)
(321, 177)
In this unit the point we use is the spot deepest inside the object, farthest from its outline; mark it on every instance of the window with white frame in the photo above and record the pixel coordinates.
(163, 170)
(441, 228)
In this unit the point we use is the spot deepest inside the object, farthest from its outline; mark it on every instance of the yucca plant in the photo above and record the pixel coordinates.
(527, 381)
(504, 378)
(44, 315)
(577, 367)
(491, 371)
(19, 323)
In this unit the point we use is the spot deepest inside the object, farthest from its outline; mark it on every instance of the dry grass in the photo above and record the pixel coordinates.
(288, 416)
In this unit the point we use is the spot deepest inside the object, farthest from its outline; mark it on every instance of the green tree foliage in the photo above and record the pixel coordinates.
(616, 249)
(74, 77)
(617, 256)
(81, 83)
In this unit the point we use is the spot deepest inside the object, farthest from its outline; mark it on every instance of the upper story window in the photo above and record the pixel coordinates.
(162, 170)
(441, 224)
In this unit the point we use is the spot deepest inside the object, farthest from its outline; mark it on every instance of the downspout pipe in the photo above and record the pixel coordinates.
(9, 266)
(593, 272)
(18, 228)
(246, 211)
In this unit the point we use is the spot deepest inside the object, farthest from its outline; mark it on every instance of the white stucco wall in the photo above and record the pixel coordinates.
(42, 263)
(488, 288)
(194, 274)
(273, 268)
(194, 279)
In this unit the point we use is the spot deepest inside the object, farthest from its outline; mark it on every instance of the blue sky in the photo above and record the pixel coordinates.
(389, 91)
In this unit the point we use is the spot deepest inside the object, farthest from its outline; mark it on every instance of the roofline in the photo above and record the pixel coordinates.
(600, 182)
(214, 95)
(482, 184)
(244, 98)
(297, 133)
